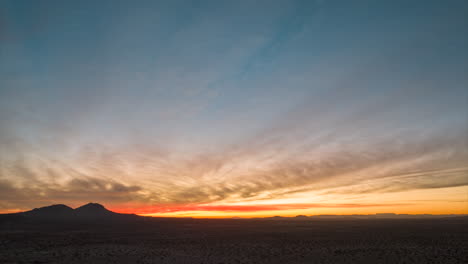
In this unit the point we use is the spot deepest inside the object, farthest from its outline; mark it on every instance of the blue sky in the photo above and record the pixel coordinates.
(243, 86)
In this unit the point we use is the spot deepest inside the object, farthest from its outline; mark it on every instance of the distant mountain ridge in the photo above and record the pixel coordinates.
(90, 211)
(55, 210)
(368, 216)
(97, 212)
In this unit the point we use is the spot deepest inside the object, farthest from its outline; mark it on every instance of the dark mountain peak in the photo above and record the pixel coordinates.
(54, 207)
(92, 210)
(301, 217)
(86, 213)
(56, 210)
(92, 206)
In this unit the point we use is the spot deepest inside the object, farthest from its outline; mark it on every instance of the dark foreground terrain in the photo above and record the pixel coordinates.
(237, 241)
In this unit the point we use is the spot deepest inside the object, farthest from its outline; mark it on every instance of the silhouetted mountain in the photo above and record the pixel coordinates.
(94, 210)
(51, 212)
(301, 217)
(276, 217)
(94, 213)
(62, 213)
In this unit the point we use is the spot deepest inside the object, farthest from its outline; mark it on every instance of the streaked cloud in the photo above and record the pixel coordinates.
(264, 105)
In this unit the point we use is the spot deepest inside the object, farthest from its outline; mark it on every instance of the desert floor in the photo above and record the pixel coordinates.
(239, 241)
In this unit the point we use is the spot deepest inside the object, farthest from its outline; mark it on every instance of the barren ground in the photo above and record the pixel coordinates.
(239, 241)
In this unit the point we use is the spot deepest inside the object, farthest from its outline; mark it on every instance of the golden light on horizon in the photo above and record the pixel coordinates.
(190, 117)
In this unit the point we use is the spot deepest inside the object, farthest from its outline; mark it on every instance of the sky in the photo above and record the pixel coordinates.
(235, 108)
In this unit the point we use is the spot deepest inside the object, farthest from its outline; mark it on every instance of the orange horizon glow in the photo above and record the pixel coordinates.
(239, 208)
(283, 210)
(289, 210)
(444, 201)
(451, 200)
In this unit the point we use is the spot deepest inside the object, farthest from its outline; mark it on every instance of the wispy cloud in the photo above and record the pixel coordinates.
(74, 192)
(171, 105)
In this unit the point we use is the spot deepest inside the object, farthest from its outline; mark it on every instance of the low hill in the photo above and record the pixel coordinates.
(91, 212)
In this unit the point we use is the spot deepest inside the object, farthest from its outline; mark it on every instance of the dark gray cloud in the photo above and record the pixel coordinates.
(388, 164)
(394, 164)
(73, 192)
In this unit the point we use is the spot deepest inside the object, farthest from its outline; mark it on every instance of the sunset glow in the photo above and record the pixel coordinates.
(233, 109)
